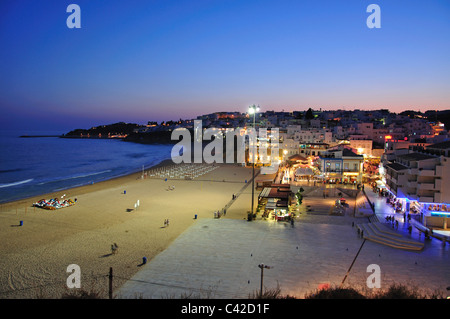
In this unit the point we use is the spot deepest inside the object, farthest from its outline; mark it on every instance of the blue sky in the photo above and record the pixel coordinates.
(137, 61)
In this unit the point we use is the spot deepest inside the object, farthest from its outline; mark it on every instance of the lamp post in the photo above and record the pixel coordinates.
(262, 266)
(253, 109)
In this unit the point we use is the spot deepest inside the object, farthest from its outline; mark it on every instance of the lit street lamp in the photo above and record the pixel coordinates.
(253, 109)
(262, 266)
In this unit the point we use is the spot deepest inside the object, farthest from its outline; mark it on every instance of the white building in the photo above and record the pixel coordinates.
(420, 183)
(314, 136)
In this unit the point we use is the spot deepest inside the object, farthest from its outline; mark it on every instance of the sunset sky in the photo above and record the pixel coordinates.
(136, 61)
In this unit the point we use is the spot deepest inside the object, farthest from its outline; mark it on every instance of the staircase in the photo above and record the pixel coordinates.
(379, 233)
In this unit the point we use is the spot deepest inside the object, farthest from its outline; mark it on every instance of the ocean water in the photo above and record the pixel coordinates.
(39, 165)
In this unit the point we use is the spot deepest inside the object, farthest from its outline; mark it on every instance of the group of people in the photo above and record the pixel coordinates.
(217, 213)
(392, 220)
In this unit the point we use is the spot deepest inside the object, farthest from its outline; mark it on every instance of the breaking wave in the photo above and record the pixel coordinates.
(16, 183)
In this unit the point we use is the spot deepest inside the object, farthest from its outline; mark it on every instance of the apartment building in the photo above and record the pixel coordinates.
(420, 181)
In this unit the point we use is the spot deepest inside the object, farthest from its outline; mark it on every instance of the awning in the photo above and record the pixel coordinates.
(265, 192)
(380, 184)
(276, 192)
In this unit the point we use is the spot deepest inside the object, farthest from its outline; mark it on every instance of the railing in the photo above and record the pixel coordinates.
(340, 171)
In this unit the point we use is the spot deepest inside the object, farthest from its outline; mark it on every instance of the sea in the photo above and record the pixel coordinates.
(39, 165)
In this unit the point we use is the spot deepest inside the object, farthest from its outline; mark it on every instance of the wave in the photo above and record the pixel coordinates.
(16, 183)
(90, 174)
(60, 179)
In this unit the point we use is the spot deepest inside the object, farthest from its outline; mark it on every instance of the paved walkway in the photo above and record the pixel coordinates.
(219, 258)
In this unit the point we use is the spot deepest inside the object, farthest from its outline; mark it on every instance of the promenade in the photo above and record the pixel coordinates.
(219, 258)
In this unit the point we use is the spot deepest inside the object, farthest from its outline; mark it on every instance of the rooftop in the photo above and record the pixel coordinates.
(345, 153)
(297, 157)
(441, 145)
(396, 166)
(415, 157)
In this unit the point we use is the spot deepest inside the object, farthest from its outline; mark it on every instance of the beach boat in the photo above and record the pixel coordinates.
(53, 204)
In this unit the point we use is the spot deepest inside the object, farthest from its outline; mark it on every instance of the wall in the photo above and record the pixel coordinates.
(438, 222)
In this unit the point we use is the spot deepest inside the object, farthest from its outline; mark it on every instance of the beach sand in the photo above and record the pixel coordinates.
(35, 256)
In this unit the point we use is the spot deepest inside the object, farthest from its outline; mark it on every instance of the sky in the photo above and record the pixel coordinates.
(139, 61)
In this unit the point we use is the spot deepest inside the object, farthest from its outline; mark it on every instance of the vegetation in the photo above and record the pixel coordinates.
(395, 291)
(82, 294)
(299, 196)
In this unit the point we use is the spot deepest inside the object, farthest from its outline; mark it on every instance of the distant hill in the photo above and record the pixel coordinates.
(124, 131)
(103, 131)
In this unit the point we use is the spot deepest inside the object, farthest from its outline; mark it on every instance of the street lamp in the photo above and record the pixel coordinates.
(253, 109)
(262, 266)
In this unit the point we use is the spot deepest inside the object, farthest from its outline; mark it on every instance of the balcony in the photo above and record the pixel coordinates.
(426, 199)
(337, 171)
(413, 171)
(426, 172)
(425, 186)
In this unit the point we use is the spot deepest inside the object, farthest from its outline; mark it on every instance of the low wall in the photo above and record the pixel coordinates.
(436, 221)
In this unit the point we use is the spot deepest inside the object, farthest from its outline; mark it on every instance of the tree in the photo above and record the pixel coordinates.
(309, 114)
(299, 195)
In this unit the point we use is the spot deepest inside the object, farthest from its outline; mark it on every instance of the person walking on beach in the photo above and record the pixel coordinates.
(114, 248)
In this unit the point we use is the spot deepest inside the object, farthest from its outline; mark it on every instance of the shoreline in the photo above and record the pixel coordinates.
(81, 189)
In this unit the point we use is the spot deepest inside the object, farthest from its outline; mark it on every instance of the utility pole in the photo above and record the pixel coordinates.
(253, 110)
(253, 169)
(262, 266)
(110, 283)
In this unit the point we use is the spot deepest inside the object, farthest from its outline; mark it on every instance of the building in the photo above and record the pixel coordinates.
(341, 165)
(314, 136)
(313, 149)
(419, 182)
(362, 145)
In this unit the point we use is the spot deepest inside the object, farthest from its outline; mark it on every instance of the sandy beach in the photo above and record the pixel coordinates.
(35, 256)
